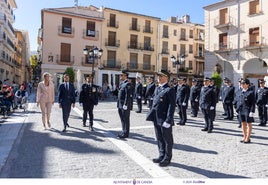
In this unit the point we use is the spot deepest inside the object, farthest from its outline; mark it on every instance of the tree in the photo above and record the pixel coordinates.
(217, 79)
(70, 72)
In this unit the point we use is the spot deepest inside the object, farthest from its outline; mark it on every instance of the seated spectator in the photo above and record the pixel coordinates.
(6, 94)
(20, 97)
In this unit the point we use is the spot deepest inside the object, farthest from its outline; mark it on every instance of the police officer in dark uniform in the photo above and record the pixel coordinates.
(216, 91)
(124, 104)
(150, 91)
(182, 97)
(227, 99)
(262, 102)
(236, 97)
(138, 94)
(162, 115)
(194, 97)
(207, 103)
(88, 98)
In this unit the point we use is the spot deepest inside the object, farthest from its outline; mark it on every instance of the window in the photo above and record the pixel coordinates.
(165, 47)
(175, 33)
(134, 25)
(174, 47)
(147, 43)
(224, 16)
(112, 20)
(91, 29)
(165, 63)
(147, 62)
(111, 38)
(183, 34)
(133, 61)
(254, 36)
(223, 41)
(190, 64)
(147, 28)
(134, 41)
(190, 48)
(66, 25)
(165, 31)
(111, 59)
(254, 7)
(191, 34)
(65, 54)
(182, 49)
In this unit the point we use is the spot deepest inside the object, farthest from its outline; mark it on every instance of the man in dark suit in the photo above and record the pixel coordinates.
(150, 91)
(138, 94)
(194, 97)
(162, 115)
(207, 103)
(183, 92)
(124, 104)
(88, 98)
(262, 102)
(66, 99)
(227, 99)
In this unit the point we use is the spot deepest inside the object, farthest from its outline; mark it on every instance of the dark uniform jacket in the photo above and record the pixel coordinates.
(183, 93)
(262, 96)
(89, 95)
(163, 107)
(124, 95)
(138, 90)
(207, 98)
(195, 92)
(228, 94)
(246, 102)
(150, 90)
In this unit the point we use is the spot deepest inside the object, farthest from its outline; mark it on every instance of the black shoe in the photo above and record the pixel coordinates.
(209, 131)
(91, 128)
(178, 123)
(67, 125)
(239, 126)
(262, 125)
(224, 114)
(204, 129)
(193, 116)
(182, 124)
(64, 130)
(84, 125)
(164, 163)
(121, 136)
(157, 160)
(138, 111)
(226, 118)
(246, 142)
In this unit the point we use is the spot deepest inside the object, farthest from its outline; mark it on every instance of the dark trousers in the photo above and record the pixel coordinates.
(88, 110)
(164, 141)
(139, 104)
(262, 114)
(182, 113)
(194, 108)
(229, 110)
(66, 109)
(208, 118)
(124, 117)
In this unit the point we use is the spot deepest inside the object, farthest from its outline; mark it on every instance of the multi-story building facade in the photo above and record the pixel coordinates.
(7, 40)
(138, 43)
(236, 39)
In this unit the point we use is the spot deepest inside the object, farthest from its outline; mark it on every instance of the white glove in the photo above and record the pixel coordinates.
(251, 114)
(211, 108)
(183, 104)
(196, 100)
(266, 105)
(166, 125)
(81, 104)
(139, 97)
(124, 107)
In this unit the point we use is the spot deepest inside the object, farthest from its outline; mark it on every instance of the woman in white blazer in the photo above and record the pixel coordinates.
(45, 98)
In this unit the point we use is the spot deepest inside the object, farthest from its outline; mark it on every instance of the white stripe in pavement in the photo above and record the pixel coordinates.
(147, 165)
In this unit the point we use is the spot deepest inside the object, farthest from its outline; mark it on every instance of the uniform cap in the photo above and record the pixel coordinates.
(181, 78)
(245, 81)
(194, 80)
(261, 81)
(163, 73)
(124, 72)
(207, 79)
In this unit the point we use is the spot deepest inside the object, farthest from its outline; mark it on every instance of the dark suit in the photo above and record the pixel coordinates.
(182, 98)
(138, 95)
(262, 101)
(162, 110)
(66, 99)
(194, 99)
(245, 105)
(124, 99)
(227, 100)
(88, 97)
(149, 93)
(207, 100)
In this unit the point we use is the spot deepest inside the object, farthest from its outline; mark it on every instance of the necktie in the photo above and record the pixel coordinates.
(67, 86)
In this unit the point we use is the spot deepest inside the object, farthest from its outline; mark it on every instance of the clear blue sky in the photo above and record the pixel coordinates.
(28, 13)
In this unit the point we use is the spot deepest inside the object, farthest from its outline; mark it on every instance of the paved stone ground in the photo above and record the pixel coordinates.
(79, 153)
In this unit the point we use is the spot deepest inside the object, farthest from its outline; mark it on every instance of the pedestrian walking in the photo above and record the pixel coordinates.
(138, 94)
(246, 108)
(182, 97)
(227, 100)
(150, 91)
(45, 97)
(262, 102)
(66, 99)
(194, 97)
(207, 103)
(88, 98)
(124, 104)
(162, 115)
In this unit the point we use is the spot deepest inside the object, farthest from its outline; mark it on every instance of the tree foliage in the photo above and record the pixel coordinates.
(71, 73)
(217, 79)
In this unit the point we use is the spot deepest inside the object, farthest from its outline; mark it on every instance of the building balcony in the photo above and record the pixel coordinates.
(221, 24)
(165, 52)
(65, 60)
(112, 43)
(113, 24)
(147, 29)
(140, 67)
(134, 27)
(66, 31)
(111, 64)
(254, 45)
(91, 34)
(223, 47)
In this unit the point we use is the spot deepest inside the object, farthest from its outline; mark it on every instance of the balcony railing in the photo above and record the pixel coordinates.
(147, 29)
(140, 67)
(111, 64)
(65, 60)
(113, 24)
(112, 43)
(91, 34)
(134, 27)
(218, 23)
(66, 31)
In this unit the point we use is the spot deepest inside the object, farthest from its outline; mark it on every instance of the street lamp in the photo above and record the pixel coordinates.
(92, 54)
(180, 61)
